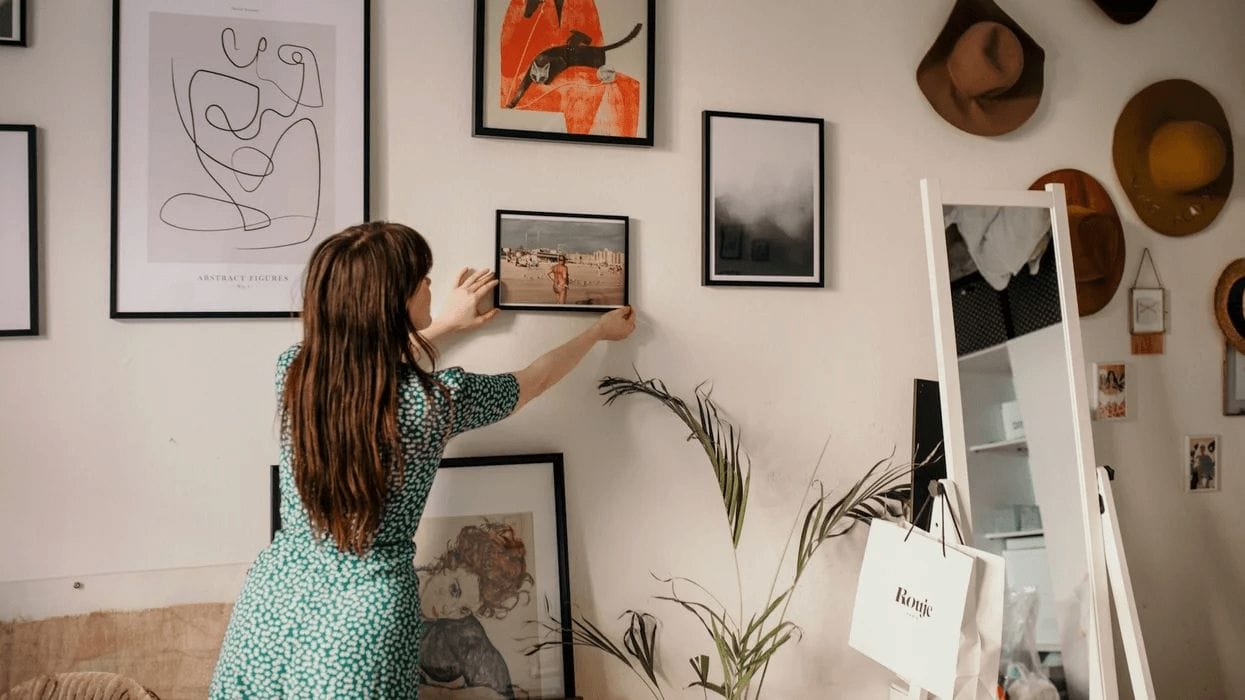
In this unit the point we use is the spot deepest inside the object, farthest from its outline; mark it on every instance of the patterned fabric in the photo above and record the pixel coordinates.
(314, 622)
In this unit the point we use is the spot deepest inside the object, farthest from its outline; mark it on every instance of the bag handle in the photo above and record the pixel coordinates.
(936, 490)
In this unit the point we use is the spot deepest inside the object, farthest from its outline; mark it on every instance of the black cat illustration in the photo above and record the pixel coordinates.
(577, 51)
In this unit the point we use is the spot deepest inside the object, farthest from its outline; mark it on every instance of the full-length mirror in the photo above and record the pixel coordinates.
(1015, 416)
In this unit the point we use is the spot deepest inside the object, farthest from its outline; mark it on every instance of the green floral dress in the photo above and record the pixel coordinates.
(313, 622)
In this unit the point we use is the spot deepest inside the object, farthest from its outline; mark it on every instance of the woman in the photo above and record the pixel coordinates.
(331, 607)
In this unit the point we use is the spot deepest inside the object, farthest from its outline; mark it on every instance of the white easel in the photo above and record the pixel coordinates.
(1118, 578)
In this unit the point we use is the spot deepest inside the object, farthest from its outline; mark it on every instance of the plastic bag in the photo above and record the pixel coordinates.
(1024, 677)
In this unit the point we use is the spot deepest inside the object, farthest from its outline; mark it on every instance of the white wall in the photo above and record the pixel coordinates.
(143, 445)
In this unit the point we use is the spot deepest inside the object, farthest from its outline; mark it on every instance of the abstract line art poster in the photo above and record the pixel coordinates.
(240, 137)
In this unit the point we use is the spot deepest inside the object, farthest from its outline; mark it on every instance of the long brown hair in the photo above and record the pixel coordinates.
(496, 553)
(340, 403)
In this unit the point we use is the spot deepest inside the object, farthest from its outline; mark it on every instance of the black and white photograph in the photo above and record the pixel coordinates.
(19, 239)
(1202, 458)
(13, 22)
(490, 554)
(764, 215)
(1233, 381)
(240, 142)
(570, 262)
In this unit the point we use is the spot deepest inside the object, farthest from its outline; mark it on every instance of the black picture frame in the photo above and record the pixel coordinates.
(31, 239)
(19, 13)
(763, 247)
(289, 278)
(502, 266)
(553, 462)
(482, 125)
(1232, 380)
(274, 501)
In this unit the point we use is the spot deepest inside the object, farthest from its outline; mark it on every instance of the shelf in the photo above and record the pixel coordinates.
(991, 360)
(1018, 445)
(1013, 535)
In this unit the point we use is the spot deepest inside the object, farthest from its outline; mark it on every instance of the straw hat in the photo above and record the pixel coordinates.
(1173, 155)
(1125, 11)
(1230, 303)
(1097, 237)
(983, 73)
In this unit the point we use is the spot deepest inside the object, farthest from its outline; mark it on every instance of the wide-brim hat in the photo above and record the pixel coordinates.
(984, 73)
(1125, 11)
(1173, 155)
(1097, 237)
(1230, 303)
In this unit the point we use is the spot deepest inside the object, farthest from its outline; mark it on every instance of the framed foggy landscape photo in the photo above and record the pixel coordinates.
(13, 22)
(548, 261)
(764, 215)
(240, 135)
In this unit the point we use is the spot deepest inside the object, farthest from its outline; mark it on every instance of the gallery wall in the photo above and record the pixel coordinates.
(143, 445)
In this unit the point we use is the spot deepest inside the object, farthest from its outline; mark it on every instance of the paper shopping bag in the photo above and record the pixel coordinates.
(910, 606)
(981, 635)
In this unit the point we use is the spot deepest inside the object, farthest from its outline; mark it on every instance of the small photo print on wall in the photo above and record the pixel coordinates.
(763, 210)
(1148, 313)
(13, 22)
(572, 262)
(1201, 465)
(1110, 391)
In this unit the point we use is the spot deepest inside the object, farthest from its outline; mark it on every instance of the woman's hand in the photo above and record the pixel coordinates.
(462, 309)
(617, 324)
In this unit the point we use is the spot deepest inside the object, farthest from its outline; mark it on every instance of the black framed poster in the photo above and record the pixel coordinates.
(240, 136)
(19, 236)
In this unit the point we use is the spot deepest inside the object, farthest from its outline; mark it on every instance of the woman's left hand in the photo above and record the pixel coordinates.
(462, 310)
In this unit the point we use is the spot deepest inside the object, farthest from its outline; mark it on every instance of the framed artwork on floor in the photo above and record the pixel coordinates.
(1110, 391)
(1202, 459)
(565, 70)
(1233, 381)
(13, 22)
(19, 236)
(548, 261)
(491, 557)
(764, 214)
(240, 137)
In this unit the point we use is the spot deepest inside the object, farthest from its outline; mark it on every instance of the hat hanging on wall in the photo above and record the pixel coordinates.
(983, 73)
(1125, 11)
(1230, 303)
(1097, 237)
(1173, 155)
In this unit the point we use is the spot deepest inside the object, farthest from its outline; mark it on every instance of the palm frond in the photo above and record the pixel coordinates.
(717, 437)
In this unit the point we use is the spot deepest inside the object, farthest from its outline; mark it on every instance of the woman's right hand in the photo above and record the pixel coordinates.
(617, 324)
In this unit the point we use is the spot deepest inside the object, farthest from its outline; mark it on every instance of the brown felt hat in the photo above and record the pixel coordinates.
(1230, 303)
(1097, 237)
(1125, 11)
(983, 73)
(1173, 155)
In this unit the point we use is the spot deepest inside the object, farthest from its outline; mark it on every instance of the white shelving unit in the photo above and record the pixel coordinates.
(1013, 534)
(1015, 445)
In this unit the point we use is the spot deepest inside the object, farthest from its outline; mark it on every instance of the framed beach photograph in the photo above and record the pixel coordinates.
(1202, 455)
(568, 262)
(1147, 310)
(1233, 381)
(19, 236)
(764, 215)
(13, 22)
(1110, 391)
(565, 70)
(491, 557)
(240, 137)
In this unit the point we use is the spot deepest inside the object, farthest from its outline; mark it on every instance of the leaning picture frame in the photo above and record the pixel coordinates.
(239, 142)
(552, 261)
(19, 231)
(1233, 381)
(569, 70)
(763, 200)
(491, 556)
(13, 22)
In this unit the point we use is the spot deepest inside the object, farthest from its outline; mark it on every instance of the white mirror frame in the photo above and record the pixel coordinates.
(1103, 683)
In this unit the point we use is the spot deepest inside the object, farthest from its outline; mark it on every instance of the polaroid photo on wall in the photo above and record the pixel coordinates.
(1110, 391)
(1202, 456)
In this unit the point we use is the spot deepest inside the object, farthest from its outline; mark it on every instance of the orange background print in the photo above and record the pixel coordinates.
(591, 100)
